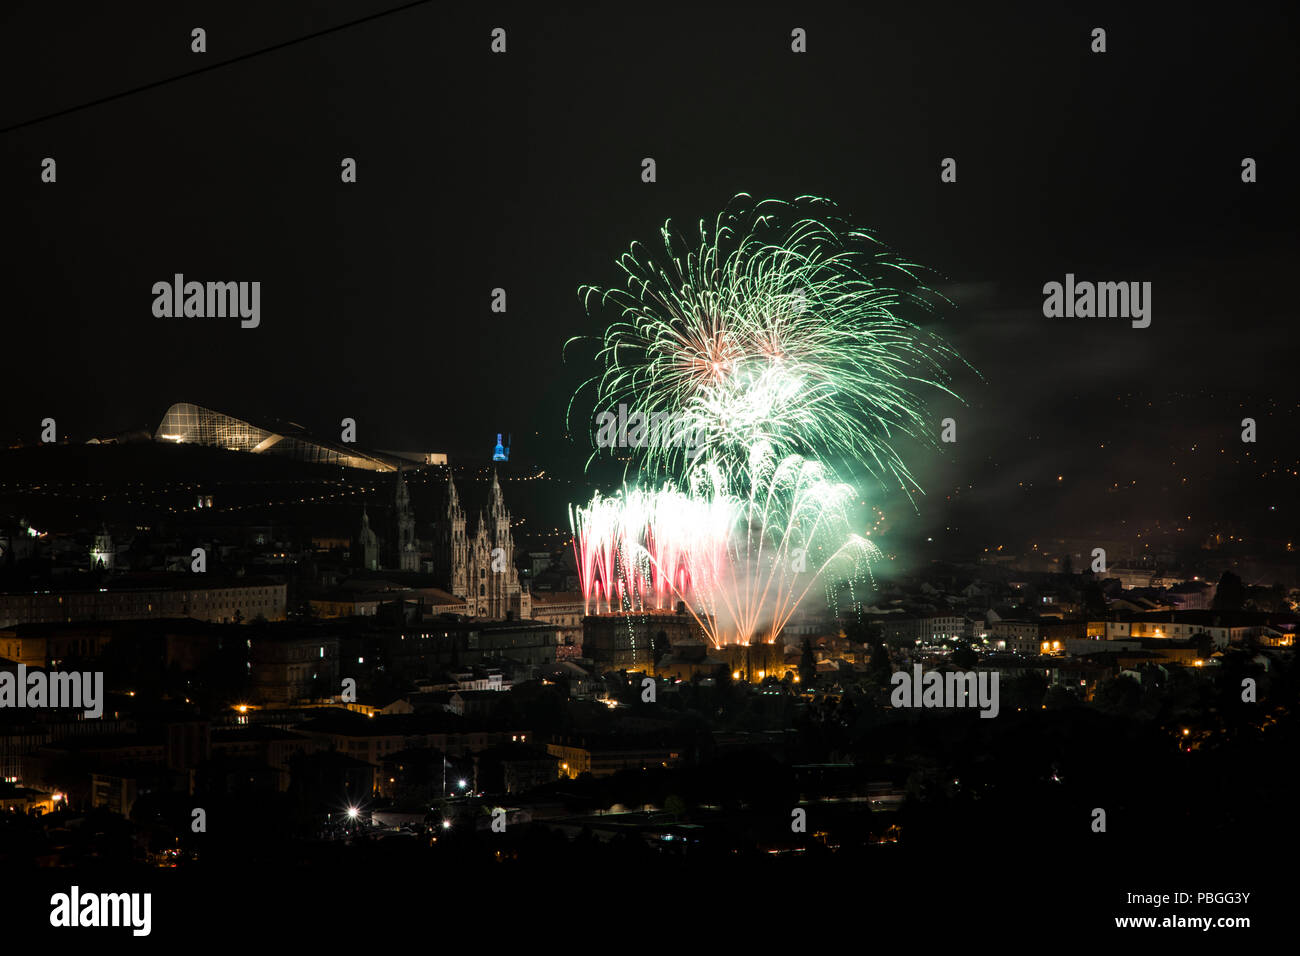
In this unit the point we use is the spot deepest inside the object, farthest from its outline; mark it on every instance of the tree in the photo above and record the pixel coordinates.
(1094, 598)
(857, 632)
(1231, 593)
(881, 669)
(1059, 697)
(1120, 695)
(807, 662)
(1025, 691)
(963, 656)
(676, 806)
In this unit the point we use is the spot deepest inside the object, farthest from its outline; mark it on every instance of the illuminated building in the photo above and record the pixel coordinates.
(1018, 637)
(150, 597)
(103, 556)
(564, 610)
(755, 662)
(190, 424)
(1222, 629)
(29, 801)
(400, 550)
(291, 668)
(481, 569)
(629, 641)
(367, 543)
(607, 756)
(404, 555)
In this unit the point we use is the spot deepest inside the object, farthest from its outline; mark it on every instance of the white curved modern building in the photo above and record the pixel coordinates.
(186, 423)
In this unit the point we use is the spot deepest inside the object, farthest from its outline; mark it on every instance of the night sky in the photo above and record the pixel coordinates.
(523, 171)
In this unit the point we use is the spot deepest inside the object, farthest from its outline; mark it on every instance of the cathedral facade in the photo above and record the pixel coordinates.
(480, 568)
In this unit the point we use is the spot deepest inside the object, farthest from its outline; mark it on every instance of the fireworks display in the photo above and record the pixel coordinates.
(778, 343)
(739, 563)
(778, 323)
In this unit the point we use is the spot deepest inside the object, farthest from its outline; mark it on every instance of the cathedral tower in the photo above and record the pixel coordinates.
(367, 544)
(452, 557)
(405, 554)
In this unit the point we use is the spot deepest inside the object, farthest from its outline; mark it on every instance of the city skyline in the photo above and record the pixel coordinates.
(508, 473)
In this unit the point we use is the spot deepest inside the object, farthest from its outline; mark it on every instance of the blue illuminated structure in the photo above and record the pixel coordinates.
(501, 453)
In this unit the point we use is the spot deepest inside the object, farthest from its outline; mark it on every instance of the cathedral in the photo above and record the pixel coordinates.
(396, 549)
(478, 569)
(481, 569)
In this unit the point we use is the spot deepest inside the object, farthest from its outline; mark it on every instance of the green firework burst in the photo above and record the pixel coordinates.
(778, 323)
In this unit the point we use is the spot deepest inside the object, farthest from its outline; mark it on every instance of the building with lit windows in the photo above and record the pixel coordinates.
(185, 423)
(288, 668)
(565, 610)
(1018, 637)
(616, 642)
(607, 756)
(151, 597)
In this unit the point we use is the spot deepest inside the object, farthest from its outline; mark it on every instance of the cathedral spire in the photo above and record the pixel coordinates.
(403, 549)
(498, 505)
(367, 543)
